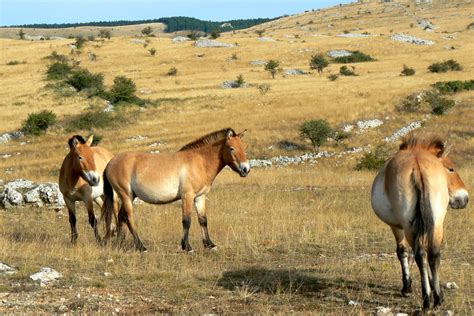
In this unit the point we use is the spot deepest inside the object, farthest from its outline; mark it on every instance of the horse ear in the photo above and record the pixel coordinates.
(230, 133)
(241, 134)
(73, 142)
(438, 149)
(90, 140)
(403, 146)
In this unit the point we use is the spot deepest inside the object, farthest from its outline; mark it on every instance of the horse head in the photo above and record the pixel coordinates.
(234, 153)
(83, 159)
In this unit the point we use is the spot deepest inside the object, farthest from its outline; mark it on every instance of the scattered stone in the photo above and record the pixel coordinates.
(293, 72)
(448, 313)
(353, 35)
(203, 42)
(381, 310)
(401, 314)
(18, 192)
(5, 269)
(258, 63)
(154, 152)
(451, 286)
(6, 156)
(427, 25)
(5, 138)
(266, 39)
(410, 39)
(348, 128)
(449, 37)
(107, 274)
(180, 39)
(232, 84)
(137, 41)
(34, 38)
(136, 138)
(363, 125)
(45, 276)
(353, 303)
(403, 131)
(287, 145)
(339, 53)
(109, 107)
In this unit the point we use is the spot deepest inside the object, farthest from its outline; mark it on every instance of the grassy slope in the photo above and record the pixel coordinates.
(281, 250)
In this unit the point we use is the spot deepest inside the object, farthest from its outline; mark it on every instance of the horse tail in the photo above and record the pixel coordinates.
(423, 222)
(108, 206)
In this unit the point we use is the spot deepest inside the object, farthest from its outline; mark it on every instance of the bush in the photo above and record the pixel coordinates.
(105, 34)
(147, 31)
(407, 71)
(57, 57)
(58, 70)
(91, 38)
(61, 88)
(234, 56)
(439, 105)
(318, 62)
(272, 67)
(123, 91)
(355, 57)
(80, 41)
(454, 86)
(317, 131)
(333, 77)
(37, 123)
(173, 71)
(215, 34)
(448, 65)
(152, 51)
(345, 71)
(240, 80)
(21, 34)
(260, 32)
(341, 135)
(263, 88)
(412, 103)
(193, 36)
(83, 79)
(470, 26)
(373, 160)
(90, 120)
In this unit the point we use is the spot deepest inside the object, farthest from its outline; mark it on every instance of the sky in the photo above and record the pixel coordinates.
(18, 12)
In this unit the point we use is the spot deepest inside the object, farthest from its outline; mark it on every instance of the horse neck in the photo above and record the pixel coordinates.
(212, 158)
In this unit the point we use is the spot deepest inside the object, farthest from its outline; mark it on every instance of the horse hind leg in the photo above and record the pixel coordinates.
(434, 258)
(421, 262)
(187, 207)
(128, 211)
(92, 220)
(403, 255)
(200, 204)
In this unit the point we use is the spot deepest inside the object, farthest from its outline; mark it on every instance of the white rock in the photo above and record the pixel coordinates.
(258, 63)
(363, 125)
(109, 107)
(339, 53)
(180, 39)
(203, 42)
(46, 275)
(381, 310)
(410, 39)
(5, 269)
(292, 72)
(266, 39)
(137, 41)
(136, 138)
(451, 286)
(353, 303)
(353, 35)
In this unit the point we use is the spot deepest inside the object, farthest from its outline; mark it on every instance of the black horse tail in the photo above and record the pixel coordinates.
(423, 222)
(108, 206)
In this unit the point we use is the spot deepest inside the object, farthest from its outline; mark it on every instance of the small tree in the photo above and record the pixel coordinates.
(318, 62)
(240, 80)
(260, 32)
(345, 71)
(58, 70)
(152, 51)
(123, 90)
(147, 31)
(407, 71)
(21, 34)
(80, 42)
(173, 71)
(193, 36)
(37, 123)
(317, 131)
(272, 67)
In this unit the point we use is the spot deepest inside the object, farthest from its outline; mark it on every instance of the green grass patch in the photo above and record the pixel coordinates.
(454, 86)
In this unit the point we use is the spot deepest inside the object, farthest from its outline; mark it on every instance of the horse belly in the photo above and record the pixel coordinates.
(381, 203)
(157, 193)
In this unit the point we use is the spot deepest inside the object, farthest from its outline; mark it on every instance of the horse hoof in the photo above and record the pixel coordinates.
(191, 252)
(214, 249)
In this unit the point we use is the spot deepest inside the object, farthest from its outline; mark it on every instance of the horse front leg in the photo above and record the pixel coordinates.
(200, 204)
(187, 201)
(92, 220)
(71, 208)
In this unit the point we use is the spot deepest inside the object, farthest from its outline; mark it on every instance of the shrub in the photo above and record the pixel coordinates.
(234, 56)
(15, 62)
(260, 32)
(407, 71)
(240, 80)
(58, 70)
(439, 105)
(448, 65)
(124, 90)
(80, 41)
(345, 71)
(373, 160)
(147, 31)
(193, 36)
(152, 51)
(37, 123)
(470, 26)
(62, 89)
(90, 120)
(318, 62)
(215, 34)
(83, 79)
(21, 34)
(317, 131)
(105, 34)
(263, 88)
(412, 103)
(272, 67)
(340, 135)
(91, 38)
(57, 57)
(454, 86)
(355, 57)
(173, 71)
(333, 77)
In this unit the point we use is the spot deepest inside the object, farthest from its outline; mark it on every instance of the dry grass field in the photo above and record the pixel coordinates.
(295, 239)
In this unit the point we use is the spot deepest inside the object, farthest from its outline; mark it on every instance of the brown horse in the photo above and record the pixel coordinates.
(164, 178)
(80, 179)
(411, 194)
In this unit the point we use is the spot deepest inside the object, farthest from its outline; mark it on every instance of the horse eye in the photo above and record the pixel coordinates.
(450, 169)
(232, 148)
(79, 157)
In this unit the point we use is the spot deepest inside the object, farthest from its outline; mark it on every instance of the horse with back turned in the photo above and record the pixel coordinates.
(411, 194)
(166, 177)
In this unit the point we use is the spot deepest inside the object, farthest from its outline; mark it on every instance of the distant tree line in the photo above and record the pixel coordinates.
(173, 24)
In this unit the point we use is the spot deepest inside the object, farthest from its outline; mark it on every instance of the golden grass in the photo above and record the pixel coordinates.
(289, 238)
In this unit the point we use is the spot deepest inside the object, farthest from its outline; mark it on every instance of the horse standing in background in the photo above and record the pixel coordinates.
(164, 178)
(80, 179)
(411, 194)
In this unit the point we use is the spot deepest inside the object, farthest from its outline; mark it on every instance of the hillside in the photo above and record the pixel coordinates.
(300, 238)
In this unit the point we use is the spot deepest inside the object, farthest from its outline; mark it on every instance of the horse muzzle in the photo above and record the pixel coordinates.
(244, 169)
(460, 200)
(92, 178)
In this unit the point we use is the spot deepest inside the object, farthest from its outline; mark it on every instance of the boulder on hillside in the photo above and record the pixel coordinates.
(25, 192)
